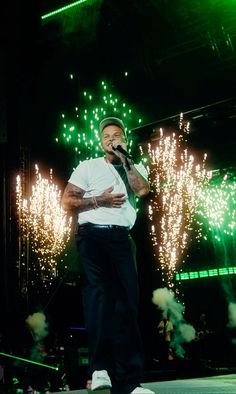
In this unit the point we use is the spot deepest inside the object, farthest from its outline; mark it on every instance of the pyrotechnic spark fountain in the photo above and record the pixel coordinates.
(216, 209)
(43, 222)
(176, 181)
(80, 129)
(216, 216)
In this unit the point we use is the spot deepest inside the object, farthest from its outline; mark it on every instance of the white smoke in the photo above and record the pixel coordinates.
(39, 330)
(183, 332)
(37, 325)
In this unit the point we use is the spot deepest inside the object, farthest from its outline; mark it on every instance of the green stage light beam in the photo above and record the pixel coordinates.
(62, 9)
(28, 361)
(205, 273)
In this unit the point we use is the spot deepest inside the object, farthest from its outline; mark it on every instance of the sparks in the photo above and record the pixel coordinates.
(80, 130)
(216, 213)
(175, 180)
(43, 222)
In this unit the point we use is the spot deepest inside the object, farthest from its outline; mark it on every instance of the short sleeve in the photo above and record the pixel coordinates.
(79, 176)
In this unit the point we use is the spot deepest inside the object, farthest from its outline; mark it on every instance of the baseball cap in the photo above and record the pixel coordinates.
(111, 121)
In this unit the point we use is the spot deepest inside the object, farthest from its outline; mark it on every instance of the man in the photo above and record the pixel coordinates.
(102, 193)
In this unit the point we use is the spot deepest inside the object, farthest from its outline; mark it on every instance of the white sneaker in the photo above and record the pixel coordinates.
(100, 380)
(142, 390)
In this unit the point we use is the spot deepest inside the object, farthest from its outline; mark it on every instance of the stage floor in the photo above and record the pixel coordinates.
(211, 385)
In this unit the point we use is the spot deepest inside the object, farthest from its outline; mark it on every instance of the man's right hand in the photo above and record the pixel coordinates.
(109, 200)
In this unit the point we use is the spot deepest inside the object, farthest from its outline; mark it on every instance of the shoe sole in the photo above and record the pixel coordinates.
(105, 387)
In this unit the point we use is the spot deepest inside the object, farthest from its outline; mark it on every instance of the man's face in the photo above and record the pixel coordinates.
(110, 134)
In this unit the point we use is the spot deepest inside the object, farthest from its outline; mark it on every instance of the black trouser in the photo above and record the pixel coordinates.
(110, 298)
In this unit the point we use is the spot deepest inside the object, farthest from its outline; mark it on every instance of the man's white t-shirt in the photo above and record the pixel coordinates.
(95, 176)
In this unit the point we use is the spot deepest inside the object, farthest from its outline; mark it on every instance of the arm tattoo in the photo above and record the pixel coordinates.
(72, 200)
(137, 182)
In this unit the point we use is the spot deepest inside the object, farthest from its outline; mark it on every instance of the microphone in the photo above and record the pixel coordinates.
(121, 150)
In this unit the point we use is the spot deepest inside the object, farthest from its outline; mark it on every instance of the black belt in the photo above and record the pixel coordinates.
(102, 226)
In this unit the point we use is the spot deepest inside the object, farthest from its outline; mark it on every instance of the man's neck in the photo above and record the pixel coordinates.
(112, 158)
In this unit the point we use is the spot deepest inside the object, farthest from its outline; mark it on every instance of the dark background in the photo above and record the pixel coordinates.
(180, 56)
